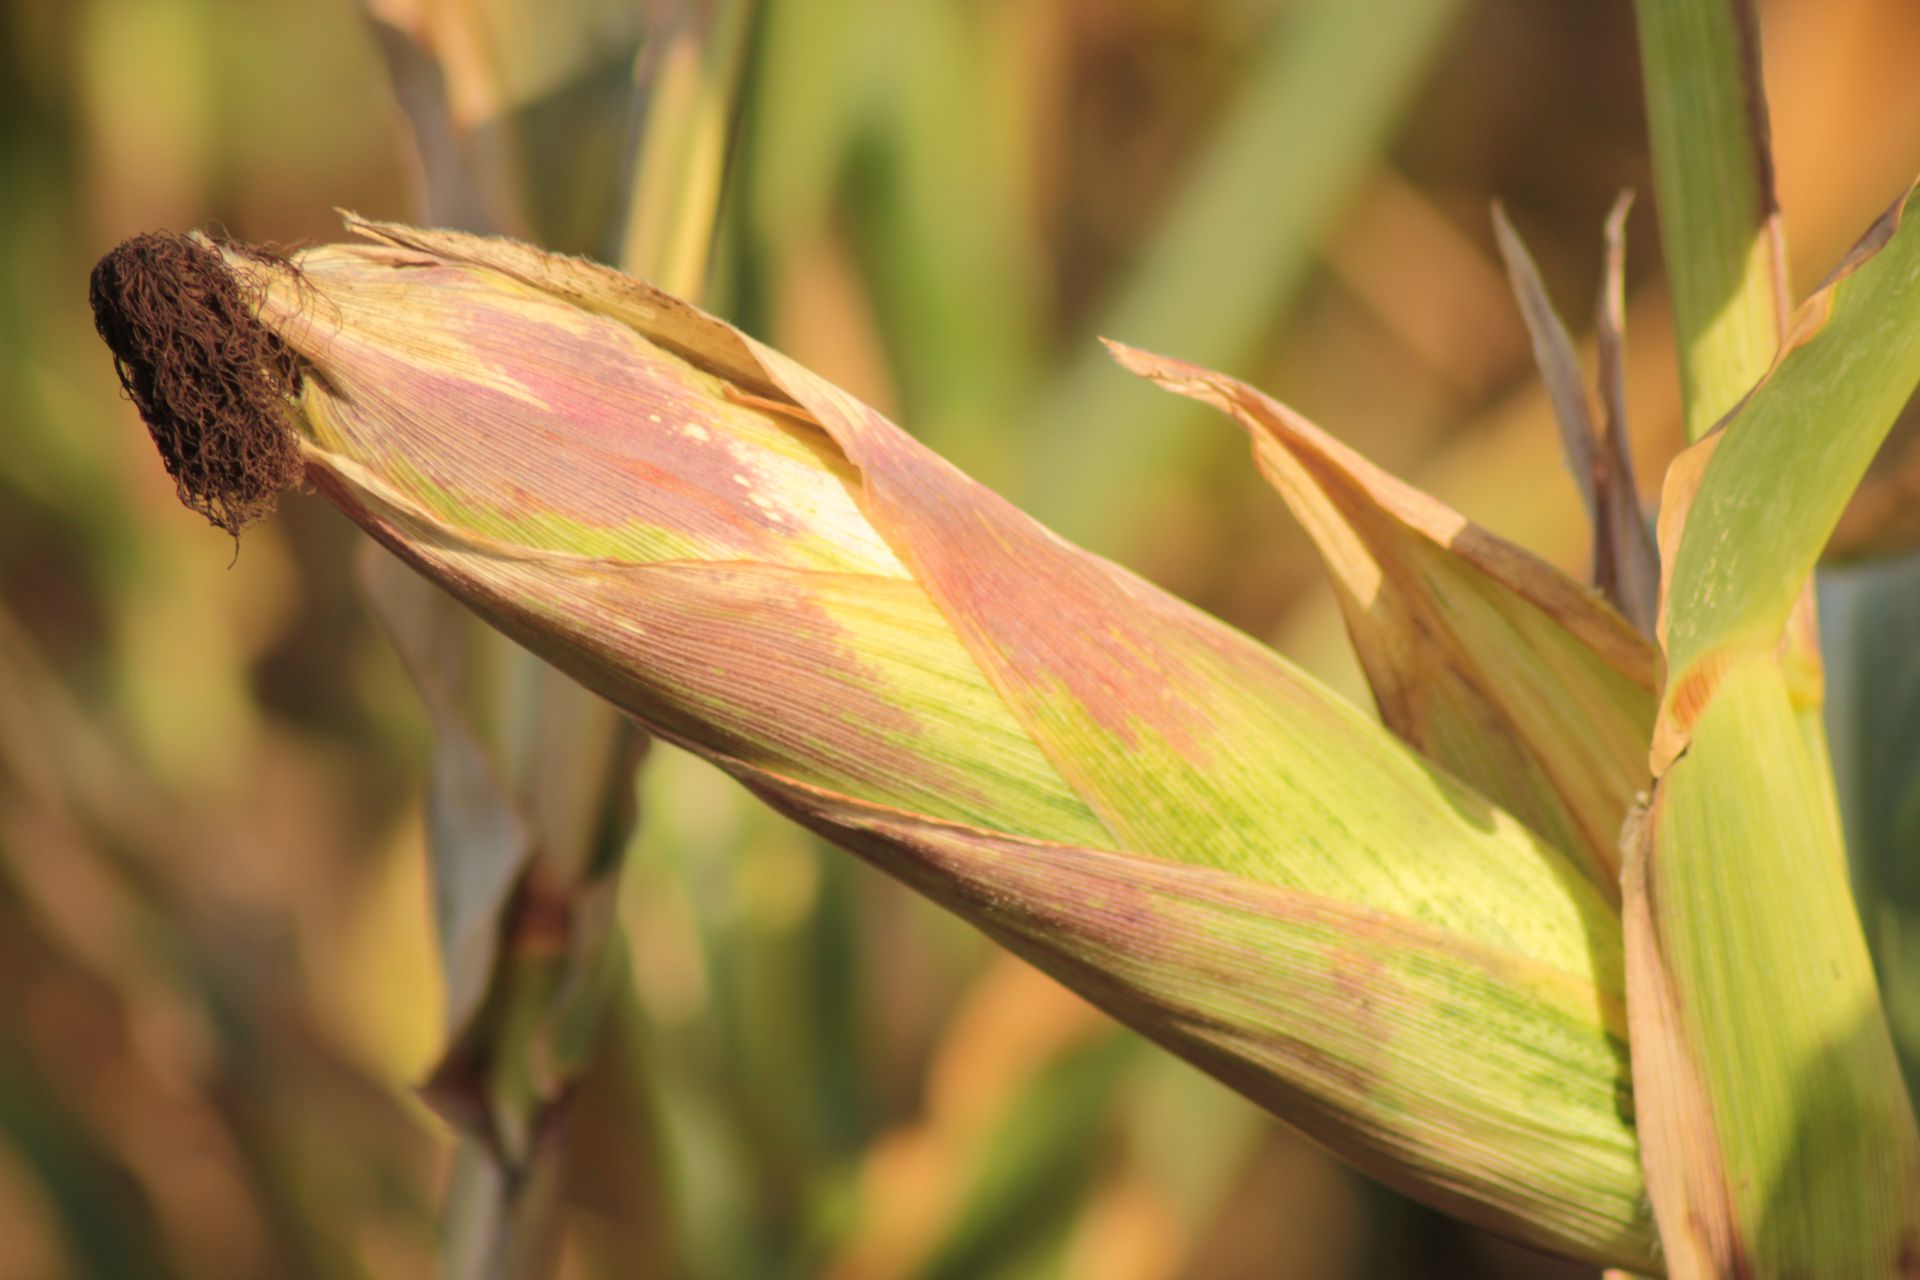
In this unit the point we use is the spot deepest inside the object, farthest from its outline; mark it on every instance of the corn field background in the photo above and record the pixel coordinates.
(221, 986)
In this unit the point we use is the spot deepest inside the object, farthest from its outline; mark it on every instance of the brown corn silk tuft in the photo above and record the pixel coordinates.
(209, 379)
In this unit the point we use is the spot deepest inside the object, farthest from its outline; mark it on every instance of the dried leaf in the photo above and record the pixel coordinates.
(1626, 564)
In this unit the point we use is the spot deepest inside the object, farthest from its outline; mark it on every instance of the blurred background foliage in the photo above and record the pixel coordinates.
(219, 980)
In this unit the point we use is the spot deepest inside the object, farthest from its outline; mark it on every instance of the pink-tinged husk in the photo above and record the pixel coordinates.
(1339, 1019)
(766, 571)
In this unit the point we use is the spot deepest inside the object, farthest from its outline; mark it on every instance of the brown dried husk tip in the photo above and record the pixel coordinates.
(208, 377)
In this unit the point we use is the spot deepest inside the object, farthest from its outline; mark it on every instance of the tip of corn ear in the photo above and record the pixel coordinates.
(207, 376)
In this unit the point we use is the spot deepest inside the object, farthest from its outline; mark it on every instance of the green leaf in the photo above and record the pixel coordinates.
(1777, 1132)
(1778, 1136)
(1713, 176)
(1746, 511)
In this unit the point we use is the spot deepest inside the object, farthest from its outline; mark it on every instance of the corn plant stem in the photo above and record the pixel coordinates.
(1738, 1061)
(1724, 241)
(1713, 177)
(501, 1212)
(689, 80)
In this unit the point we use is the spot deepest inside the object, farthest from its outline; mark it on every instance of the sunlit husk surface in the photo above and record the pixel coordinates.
(1153, 807)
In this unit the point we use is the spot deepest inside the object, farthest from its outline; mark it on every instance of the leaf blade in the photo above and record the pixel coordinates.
(1713, 176)
(1780, 1139)
(1748, 510)
(1626, 565)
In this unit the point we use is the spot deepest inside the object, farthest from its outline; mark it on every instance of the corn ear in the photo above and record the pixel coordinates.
(762, 569)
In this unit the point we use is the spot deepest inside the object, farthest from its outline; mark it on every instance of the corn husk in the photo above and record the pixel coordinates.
(1148, 804)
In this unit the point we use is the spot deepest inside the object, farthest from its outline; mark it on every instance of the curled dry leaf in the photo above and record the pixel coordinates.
(1626, 566)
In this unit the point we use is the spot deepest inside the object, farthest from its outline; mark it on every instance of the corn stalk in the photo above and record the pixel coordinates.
(1777, 1130)
(531, 803)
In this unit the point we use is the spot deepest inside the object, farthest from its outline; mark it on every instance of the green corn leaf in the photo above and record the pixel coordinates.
(1778, 1136)
(1725, 242)
(1713, 176)
(1758, 500)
